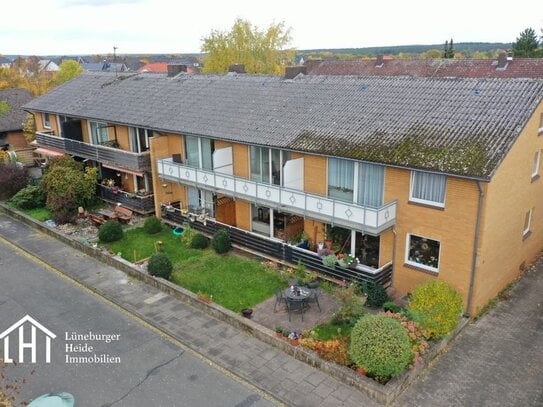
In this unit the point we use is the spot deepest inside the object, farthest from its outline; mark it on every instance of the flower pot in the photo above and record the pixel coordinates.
(247, 312)
(294, 342)
(361, 371)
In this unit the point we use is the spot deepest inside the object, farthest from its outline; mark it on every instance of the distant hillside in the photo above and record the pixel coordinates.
(467, 47)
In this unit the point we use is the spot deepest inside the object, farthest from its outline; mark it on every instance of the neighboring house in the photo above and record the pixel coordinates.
(12, 117)
(420, 178)
(5, 62)
(104, 66)
(503, 67)
(47, 65)
(162, 67)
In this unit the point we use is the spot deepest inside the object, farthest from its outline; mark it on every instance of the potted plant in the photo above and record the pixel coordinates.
(279, 332)
(294, 338)
(329, 260)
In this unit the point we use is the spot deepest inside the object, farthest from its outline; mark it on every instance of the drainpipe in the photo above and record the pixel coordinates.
(475, 246)
(393, 254)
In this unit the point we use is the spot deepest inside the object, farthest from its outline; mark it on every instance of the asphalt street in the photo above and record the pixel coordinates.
(138, 368)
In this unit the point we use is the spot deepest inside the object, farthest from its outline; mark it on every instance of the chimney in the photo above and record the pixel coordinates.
(237, 68)
(502, 60)
(293, 71)
(380, 61)
(175, 69)
(312, 63)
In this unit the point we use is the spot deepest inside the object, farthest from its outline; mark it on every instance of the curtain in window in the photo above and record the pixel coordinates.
(371, 179)
(207, 151)
(429, 187)
(260, 164)
(193, 157)
(340, 179)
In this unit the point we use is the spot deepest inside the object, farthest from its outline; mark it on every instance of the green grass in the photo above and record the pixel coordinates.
(235, 282)
(331, 330)
(40, 214)
(136, 240)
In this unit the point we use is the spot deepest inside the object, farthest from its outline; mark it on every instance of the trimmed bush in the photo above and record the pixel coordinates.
(12, 179)
(29, 197)
(221, 241)
(63, 208)
(381, 346)
(437, 307)
(152, 225)
(160, 265)
(199, 241)
(376, 294)
(111, 231)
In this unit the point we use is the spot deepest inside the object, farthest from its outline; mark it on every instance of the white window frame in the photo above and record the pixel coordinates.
(46, 120)
(527, 227)
(535, 168)
(99, 125)
(420, 265)
(424, 201)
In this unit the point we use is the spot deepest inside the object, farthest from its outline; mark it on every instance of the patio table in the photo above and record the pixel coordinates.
(297, 293)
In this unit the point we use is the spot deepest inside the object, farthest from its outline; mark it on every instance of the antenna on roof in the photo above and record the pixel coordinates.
(115, 59)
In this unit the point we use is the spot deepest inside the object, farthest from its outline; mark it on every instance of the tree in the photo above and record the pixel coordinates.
(431, 53)
(69, 69)
(526, 44)
(261, 51)
(29, 128)
(448, 50)
(68, 186)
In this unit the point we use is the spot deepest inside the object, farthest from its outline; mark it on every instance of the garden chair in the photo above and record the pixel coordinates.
(294, 305)
(279, 298)
(314, 297)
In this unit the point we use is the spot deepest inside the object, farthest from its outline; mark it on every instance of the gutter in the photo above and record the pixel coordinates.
(475, 245)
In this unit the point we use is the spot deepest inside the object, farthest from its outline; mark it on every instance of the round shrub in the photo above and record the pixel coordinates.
(221, 241)
(160, 266)
(437, 307)
(29, 197)
(199, 241)
(111, 231)
(13, 178)
(380, 345)
(152, 225)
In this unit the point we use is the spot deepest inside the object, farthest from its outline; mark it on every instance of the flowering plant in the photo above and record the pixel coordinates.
(347, 260)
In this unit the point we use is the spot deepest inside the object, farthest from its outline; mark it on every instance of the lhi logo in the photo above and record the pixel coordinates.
(13, 332)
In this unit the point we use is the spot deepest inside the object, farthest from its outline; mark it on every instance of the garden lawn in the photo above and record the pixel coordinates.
(234, 282)
(327, 331)
(40, 214)
(144, 245)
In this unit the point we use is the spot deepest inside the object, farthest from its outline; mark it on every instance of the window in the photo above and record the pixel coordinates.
(527, 224)
(139, 139)
(371, 179)
(199, 152)
(98, 132)
(260, 220)
(423, 252)
(428, 188)
(535, 168)
(46, 120)
(341, 179)
(267, 163)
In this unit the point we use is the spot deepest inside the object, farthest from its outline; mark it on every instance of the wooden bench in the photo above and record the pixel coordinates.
(96, 219)
(124, 215)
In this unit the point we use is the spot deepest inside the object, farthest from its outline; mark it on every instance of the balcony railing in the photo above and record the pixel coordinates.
(350, 215)
(141, 204)
(107, 155)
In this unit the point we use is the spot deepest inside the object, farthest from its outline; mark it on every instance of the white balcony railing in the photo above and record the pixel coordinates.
(351, 215)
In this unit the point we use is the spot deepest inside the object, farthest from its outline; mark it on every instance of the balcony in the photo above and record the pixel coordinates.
(349, 215)
(138, 203)
(103, 154)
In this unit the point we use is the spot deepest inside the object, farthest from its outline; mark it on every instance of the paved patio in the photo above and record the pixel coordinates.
(264, 314)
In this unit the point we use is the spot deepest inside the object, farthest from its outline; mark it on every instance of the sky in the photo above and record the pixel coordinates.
(79, 27)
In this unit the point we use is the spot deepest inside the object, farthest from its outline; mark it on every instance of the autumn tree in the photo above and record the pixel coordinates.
(261, 51)
(29, 128)
(69, 69)
(431, 53)
(526, 44)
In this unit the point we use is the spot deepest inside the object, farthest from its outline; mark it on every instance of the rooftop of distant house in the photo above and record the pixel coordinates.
(12, 114)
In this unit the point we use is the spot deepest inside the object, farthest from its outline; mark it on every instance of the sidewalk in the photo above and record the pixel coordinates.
(289, 380)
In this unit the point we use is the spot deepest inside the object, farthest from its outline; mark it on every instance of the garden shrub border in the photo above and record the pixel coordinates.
(384, 394)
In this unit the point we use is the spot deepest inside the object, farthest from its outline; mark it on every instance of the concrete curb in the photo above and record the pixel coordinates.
(384, 394)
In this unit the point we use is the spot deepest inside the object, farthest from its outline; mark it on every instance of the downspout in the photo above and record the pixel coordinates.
(393, 255)
(475, 247)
